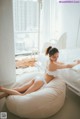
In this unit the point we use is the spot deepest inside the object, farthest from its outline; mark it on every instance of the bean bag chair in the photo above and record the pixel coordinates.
(42, 103)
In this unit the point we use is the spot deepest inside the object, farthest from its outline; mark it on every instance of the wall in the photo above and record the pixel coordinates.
(7, 58)
(68, 21)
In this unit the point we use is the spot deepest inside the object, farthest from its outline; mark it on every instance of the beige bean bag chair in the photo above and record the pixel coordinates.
(40, 104)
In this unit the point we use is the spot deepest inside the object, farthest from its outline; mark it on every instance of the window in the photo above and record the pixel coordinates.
(26, 25)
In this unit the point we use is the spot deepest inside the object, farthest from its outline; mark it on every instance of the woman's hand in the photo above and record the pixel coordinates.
(77, 61)
(69, 66)
(73, 64)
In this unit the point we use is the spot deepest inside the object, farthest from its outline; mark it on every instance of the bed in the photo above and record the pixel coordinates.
(72, 77)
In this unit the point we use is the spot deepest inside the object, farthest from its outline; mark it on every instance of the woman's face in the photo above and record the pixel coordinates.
(54, 57)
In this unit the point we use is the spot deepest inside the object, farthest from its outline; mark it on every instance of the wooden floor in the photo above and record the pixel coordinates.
(70, 110)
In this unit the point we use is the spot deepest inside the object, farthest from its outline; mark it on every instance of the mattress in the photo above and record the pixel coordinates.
(72, 79)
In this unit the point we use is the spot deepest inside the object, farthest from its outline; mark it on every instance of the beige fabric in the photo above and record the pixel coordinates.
(40, 104)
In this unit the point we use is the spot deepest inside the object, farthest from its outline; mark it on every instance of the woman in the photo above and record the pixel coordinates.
(38, 81)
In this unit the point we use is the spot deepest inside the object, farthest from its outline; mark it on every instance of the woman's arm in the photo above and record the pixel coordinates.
(73, 64)
(60, 63)
(55, 65)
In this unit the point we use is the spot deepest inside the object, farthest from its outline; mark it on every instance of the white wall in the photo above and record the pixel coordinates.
(68, 20)
(7, 58)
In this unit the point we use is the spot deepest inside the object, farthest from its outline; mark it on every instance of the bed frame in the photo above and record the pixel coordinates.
(73, 88)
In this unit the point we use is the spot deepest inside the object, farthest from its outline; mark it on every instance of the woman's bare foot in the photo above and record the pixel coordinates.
(3, 95)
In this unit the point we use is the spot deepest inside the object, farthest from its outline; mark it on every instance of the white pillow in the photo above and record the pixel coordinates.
(41, 62)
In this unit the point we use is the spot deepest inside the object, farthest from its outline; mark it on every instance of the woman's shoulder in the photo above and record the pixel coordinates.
(52, 63)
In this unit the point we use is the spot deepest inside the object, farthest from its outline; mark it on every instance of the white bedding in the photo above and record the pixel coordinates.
(71, 77)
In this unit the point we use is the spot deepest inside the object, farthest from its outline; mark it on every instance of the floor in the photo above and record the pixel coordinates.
(70, 110)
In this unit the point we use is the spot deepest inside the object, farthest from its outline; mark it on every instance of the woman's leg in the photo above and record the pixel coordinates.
(9, 91)
(17, 91)
(25, 87)
(36, 85)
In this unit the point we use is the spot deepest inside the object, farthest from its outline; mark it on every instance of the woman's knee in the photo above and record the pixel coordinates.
(33, 80)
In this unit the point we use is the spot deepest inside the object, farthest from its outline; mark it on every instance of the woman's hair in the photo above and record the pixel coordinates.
(51, 51)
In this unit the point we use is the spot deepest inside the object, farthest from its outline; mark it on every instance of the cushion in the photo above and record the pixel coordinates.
(43, 103)
(41, 62)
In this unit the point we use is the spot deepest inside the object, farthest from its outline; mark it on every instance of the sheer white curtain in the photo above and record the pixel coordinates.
(48, 29)
(44, 23)
(51, 24)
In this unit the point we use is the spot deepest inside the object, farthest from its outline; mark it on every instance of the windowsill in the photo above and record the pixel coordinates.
(26, 53)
